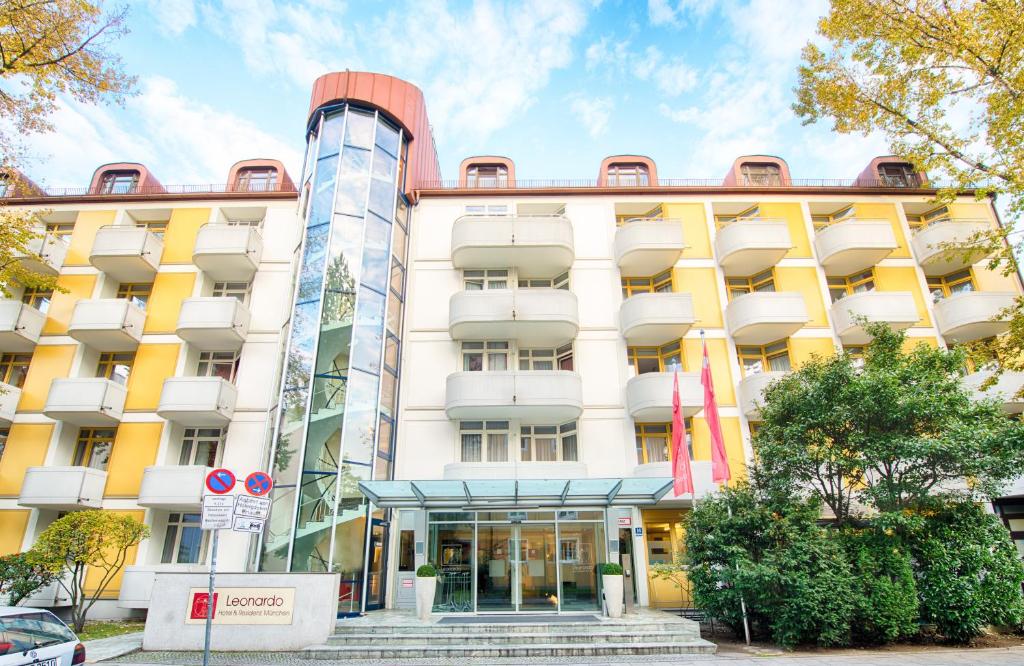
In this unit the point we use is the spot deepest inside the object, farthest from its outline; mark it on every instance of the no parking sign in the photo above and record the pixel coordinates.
(258, 484)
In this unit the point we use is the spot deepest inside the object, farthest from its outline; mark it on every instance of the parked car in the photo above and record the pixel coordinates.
(32, 637)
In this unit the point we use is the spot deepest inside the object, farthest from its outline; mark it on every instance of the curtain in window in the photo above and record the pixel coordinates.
(471, 447)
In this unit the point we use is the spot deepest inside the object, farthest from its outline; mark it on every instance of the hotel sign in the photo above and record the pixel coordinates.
(242, 605)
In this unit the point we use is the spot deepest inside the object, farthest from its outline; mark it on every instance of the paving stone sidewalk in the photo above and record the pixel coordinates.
(102, 649)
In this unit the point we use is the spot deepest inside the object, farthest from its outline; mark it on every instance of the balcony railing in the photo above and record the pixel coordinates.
(148, 190)
(695, 183)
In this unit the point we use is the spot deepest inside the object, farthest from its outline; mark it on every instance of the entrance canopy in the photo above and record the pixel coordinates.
(515, 493)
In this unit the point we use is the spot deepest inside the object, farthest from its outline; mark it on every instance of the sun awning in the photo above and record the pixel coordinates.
(492, 493)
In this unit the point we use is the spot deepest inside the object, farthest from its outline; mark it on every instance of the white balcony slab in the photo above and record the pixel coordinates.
(173, 487)
(896, 308)
(9, 397)
(516, 470)
(218, 323)
(53, 595)
(751, 392)
(700, 469)
(137, 581)
(538, 245)
(197, 401)
(854, 245)
(746, 247)
(654, 319)
(530, 316)
(973, 315)
(126, 252)
(928, 245)
(649, 396)
(763, 317)
(62, 488)
(1006, 388)
(86, 401)
(20, 326)
(540, 396)
(646, 247)
(107, 324)
(45, 254)
(228, 252)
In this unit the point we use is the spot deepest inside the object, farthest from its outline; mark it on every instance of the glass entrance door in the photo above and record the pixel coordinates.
(516, 568)
(496, 568)
(538, 577)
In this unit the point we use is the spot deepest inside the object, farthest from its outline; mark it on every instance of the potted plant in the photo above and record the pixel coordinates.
(611, 581)
(426, 586)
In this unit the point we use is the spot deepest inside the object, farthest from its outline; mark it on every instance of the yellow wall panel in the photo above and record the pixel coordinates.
(58, 316)
(887, 212)
(994, 280)
(702, 283)
(793, 214)
(718, 354)
(49, 362)
(86, 224)
(180, 238)
(805, 281)
(903, 278)
(695, 229)
(733, 445)
(802, 350)
(12, 530)
(910, 343)
(26, 447)
(135, 447)
(971, 211)
(93, 577)
(153, 364)
(168, 291)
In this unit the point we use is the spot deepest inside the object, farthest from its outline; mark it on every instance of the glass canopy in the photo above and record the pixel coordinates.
(489, 493)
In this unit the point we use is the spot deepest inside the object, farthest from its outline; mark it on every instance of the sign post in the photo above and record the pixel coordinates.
(217, 511)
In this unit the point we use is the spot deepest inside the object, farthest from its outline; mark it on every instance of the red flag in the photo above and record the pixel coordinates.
(681, 473)
(719, 461)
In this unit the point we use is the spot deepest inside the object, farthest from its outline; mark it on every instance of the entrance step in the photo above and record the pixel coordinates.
(395, 654)
(519, 638)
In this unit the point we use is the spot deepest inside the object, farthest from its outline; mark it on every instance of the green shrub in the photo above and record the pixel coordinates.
(426, 571)
(611, 569)
(20, 577)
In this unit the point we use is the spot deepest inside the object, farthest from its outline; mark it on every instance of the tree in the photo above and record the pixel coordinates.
(20, 577)
(82, 541)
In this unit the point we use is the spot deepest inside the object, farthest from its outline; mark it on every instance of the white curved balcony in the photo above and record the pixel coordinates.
(197, 401)
(1005, 388)
(751, 392)
(896, 308)
(928, 245)
(62, 488)
(107, 324)
(47, 254)
(538, 245)
(973, 315)
(854, 245)
(765, 316)
(516, 470)
(646, 247)
(86, 401)
(654, 319)
(126, 252)
(530, 316)
(701, 470)
(539, 396)
(746, 247)
(138, 579)
(9, 397)
(218, 323)
(228, 252)
(20, 326)
(173, 487)
(649, 396)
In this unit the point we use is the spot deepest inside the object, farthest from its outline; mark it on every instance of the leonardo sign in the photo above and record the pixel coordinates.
(243, 605)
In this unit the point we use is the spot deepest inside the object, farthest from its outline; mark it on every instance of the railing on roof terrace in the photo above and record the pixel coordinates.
(695, 183)
(147, 190)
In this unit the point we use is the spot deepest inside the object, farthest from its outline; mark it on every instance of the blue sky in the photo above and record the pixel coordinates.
(554, 84)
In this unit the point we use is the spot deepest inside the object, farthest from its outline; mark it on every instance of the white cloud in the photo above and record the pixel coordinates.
(593, 112)
(663, 12)
(173, 17)
(672, 77)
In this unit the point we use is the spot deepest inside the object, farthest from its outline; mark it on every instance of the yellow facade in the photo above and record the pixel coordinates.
(49, 362)
(802, 350)
(75, 287)
(665, 541)
(94, 577)
(804, 280)
(793, 214)
(86, 225)
(731, 432)
(153, 364)
(180, 238)
(903, 278)
(887, 212)
(718, 355)
(695, 229)
(703, 285)
(169, 289)
(12, 530)
(987, 279)
(26, 447)
(135, 448)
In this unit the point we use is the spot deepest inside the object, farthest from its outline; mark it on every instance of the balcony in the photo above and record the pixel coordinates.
(928, 244)
(745, 247)
(751, 392)
(173, 487)
(228, 252)
(126, 252)
(973, 315)
(649, 396)
(646, 247)
(654, 319)
(20, 326)
(217, 323)
(9, 397)
(86, 401)
(1005, 388)
(763, 317)
(137, 581)
(896, 308)
(62, 488)
(538, 245)
(49, 251)
(530, 316)
(538, 396)
(197, 401)
(701, 470)
(553, 469)
(107, 324)
(854, 245)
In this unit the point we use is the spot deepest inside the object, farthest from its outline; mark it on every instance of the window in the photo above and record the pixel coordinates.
(479, 280)
(627, 175)
(751, 213)
(737, 286)
(486, 175)
(119, 182)
(755, 359)
(548, 443)
(546, 359)
(760, 173)
(93, 447)
(822, 221)
(14, 369)
(115, 366)
(841, 287)
(218, 364)
(654, 441)
(37, 298)
(660, 283)
(256, 179)
(856, 354)
(136, 292)
(484, 441)
(201, 446)
(237, 290)
(897, 175)
(921, 221)
(497, 210)
(654, 214)
(60, 230)
(184, 541)
(558, 282)
(479, 356)
(156, 227)
(666, 358)
(407, 550)
(4, 434)
(942, 286)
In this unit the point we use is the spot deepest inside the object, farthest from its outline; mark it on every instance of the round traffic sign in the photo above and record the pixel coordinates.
(258, 484)
(220, 481)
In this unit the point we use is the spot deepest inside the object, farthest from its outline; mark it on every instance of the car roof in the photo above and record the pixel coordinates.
(20, 610)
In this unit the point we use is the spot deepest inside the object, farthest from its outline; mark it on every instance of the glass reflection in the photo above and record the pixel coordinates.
(359, 131)
(330, 141)
(352, 182)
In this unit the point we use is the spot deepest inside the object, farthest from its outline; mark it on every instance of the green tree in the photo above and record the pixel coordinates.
(20, 577)
(82, 541)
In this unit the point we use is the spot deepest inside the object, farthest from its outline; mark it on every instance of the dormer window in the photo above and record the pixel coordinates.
(119, 182)
(256, 179)
(486, 175)
(761, 173)
(628, 175)
(897, 175)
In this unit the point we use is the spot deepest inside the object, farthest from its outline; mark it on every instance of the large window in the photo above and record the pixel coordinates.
(546, 359)
(201, 446)
(755, 359)
(256, 179)
(4, 434)
(14, 369)
(548, 443)
(654, 441)
(491, 356)
(184, 541)
(628, 175)
(943, 286)
(484, 441)
(922, 220)
(653, 215)
(660, 283)
(666, 358)
(760, 173)
(489, 210)
(136, 292)
(737, 286)
(486, 175)
(824, 220)
(93, 448)
(156, 227)
(61, 230)
(218, 364)
(119, 182)
(557, 282)
(115, 366)
(237, 290)
(37, 298)
(726, 219)
(480, 280)
(841, 287)
(897, 175)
